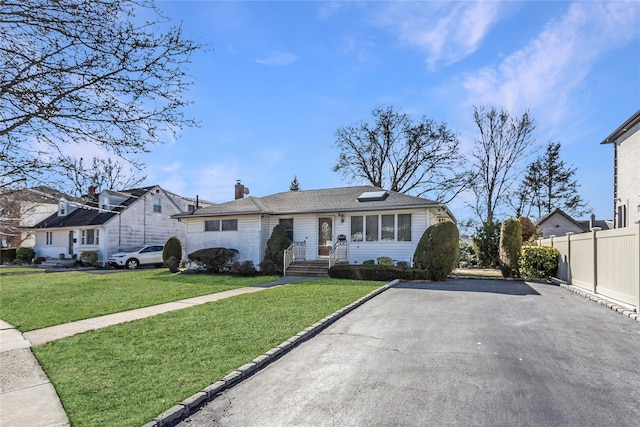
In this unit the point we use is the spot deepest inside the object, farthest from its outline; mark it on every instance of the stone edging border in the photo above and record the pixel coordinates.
(602, 301)
(188, 406)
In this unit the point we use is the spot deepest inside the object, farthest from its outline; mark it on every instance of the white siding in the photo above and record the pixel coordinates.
(628, 172)
(246, 240)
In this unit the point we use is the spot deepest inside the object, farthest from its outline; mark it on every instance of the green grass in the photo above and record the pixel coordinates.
(34, 301)
(128, 374)
(7, 270)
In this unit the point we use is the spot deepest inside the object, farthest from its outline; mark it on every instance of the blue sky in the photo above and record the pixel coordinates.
(278, 78)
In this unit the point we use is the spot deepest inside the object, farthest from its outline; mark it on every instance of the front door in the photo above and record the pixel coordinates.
(325, 235)
(70, 242)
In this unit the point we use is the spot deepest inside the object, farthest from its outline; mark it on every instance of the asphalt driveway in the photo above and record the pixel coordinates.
(455, 353)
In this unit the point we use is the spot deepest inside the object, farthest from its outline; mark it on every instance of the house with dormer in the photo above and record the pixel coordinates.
(111, 221)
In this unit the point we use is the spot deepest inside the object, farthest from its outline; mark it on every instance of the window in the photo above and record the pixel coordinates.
(90, 236)
(404, 227)
(157, 204)
(287, 225)
(221, 225)
(49, 238)
(212, 225)
(356, 229)
(388, 227)
(105, 204)
(372, 228)
(62, 208)
(229, 225)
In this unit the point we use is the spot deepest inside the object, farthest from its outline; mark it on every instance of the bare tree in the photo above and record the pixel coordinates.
(102, 174)
(397, 154)
(86, 72)
(502, 143)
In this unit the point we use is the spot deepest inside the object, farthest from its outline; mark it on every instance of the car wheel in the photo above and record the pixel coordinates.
(132, 264)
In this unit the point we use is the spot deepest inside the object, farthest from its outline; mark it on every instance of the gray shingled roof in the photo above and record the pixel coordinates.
(343, 199)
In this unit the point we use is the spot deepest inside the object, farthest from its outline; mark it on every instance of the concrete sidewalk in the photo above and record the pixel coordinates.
(27, 397)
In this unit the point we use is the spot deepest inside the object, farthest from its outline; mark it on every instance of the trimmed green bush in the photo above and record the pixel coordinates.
(89, 258)
(269, 268)
(510, 246)
(538, 262)
(385, 273)
(25, 254)
(7, 255)
(437, 250)
(243, 269)
(368, 262)
(486, 243)
(276, 245)
(214, 260)
(384, 260)
(172, 248)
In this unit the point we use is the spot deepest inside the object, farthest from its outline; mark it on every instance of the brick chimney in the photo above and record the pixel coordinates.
(239, 190)
(592, 221)
(92, 191)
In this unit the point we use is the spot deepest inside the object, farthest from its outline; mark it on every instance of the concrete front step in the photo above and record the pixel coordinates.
(309, 269)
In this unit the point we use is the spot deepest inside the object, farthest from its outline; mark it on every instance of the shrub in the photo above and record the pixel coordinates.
(486, 242)
(39, 260)
(437, 250)
(214, 260)
(88, 258)
(529, 231)
(243, 269)
(385, 273)
(510, 246)
(384, 260)
(369, 262)
(403, 264)
(7, 255)
(276, 245)
(466, 256)
(268, 267)
(538, 262)
(173, 263)
(25, 254)
(172, 248)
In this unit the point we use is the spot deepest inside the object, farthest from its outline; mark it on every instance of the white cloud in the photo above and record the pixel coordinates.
(447, 31)
(278, 59)
(543, 75)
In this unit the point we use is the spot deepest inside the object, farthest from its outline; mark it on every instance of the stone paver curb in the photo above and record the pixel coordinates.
(602, 301)
(182, 411)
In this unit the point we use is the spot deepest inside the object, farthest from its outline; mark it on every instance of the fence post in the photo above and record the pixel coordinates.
(594, 230)
(569, 234)
(638, 267)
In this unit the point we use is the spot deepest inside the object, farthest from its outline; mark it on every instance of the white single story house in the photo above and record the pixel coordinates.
(368, 222)
(110, 221)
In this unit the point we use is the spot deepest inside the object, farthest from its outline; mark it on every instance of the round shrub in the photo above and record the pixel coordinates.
(538, 262)
(276, 245)
(384, 260)
(88, 258)
(269, 268)
(173, 263)
(214, 260)
(437, 250)
(172, 248)
(243, 269)
(25, 254)
(510, 246)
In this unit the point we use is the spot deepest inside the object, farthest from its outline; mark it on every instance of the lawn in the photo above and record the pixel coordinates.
(128, 374)
(34, 301)
(8, 270)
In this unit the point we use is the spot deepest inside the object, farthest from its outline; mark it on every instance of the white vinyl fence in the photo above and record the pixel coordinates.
(605, 262)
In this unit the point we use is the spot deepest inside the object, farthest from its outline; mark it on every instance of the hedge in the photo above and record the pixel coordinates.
(385, 273)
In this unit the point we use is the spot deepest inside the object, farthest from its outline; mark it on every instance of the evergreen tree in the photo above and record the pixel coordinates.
(550, 184)
(295, 185)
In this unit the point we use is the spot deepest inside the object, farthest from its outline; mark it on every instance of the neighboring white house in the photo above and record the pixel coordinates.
(371, 222)
(626, 172)
(21, 209)
(558, 223)
(111, 221)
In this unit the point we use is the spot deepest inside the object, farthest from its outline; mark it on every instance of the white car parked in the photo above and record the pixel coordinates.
(140, 255)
